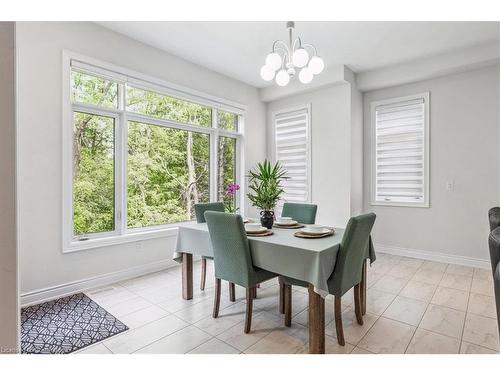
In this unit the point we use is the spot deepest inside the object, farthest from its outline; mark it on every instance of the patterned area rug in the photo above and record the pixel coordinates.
(65, 325)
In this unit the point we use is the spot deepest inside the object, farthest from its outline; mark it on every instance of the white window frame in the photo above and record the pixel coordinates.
(121, 233)
(274, 114)
(426, 202)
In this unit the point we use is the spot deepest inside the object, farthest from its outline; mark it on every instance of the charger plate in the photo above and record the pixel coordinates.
(307, 235)
(289, 226)
(264, 234)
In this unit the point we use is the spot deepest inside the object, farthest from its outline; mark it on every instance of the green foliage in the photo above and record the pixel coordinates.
(157, 105)
(227, 120)
(265, 182)
(226, 171)
(167, 168)
(93, 90)
(158, 175)
(93, 185)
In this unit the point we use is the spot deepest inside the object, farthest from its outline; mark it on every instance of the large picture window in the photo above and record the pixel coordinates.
(142, 154)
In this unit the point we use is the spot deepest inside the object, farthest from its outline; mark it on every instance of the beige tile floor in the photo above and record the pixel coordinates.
(413, 306)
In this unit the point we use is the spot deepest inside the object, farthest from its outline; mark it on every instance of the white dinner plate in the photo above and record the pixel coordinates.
(315, 231)
(256, 231)
(292, 222)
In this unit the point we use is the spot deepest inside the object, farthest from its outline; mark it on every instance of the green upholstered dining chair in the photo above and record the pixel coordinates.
(233, 259)
(302, 212)
(199, 211)
(346, 274)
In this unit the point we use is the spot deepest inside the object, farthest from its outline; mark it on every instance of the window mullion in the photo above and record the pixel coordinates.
(124, 159)
(214, 157)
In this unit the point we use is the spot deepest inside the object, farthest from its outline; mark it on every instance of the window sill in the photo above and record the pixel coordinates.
(401, 204)
(95, 243)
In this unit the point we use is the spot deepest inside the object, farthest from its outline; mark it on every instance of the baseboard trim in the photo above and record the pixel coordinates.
(434, 256)
(62, 290)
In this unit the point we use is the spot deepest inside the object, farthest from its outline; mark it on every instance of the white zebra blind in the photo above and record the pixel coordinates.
(400, 160)
(292, 150)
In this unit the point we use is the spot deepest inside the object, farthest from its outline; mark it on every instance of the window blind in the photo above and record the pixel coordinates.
(292, 150)
(400, 151)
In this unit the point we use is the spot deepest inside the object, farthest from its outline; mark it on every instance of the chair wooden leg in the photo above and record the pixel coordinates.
(363, 288)
(203, 273)
(288, 305)
(282, 295)
(215, 313)
(338, 321)
(248, 316)
(357, 304)
(232, 292)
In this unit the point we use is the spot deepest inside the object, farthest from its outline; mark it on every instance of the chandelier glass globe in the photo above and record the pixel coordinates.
(300, 57)
(273, 61)
(306, 75)
(266, 73)
(316, 64)
(282, 78)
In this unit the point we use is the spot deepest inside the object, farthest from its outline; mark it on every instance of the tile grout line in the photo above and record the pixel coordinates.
(425, 312)
(153, 304)
(379, 316)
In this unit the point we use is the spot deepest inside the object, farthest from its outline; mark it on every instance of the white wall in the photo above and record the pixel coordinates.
(42, 264)
(464, 148)
(331, 148)
(8, 258)
(356, 144)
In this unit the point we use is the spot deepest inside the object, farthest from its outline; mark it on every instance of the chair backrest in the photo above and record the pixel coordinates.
(302, 212)
(352, 252)
(494, 217)
(201, 208)
(232, 257)
(494, 242)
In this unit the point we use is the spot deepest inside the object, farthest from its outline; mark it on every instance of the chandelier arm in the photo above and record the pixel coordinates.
(312, 47)
(281, 43)
(295, 42)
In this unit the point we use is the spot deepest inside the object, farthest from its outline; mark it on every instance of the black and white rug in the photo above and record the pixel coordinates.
(66, 324)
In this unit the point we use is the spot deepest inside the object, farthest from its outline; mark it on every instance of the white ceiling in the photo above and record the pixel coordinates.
(238, 49)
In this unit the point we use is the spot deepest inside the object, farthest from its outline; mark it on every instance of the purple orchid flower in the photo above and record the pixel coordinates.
(232, 189)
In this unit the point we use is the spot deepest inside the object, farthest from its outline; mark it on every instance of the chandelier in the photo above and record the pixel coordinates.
(285, 59)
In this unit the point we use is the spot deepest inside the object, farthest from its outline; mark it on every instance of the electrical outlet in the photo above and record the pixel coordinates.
(450, 185)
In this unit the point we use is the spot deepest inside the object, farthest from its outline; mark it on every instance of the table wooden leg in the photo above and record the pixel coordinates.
(288, 305)
(363, 288)
(187, 276)
(316, 322)
(282, 296)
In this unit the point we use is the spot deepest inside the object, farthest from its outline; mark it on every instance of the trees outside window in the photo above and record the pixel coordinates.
(168, 173)
(93, 173)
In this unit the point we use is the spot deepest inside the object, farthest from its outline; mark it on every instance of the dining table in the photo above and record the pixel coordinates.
(308, 259)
